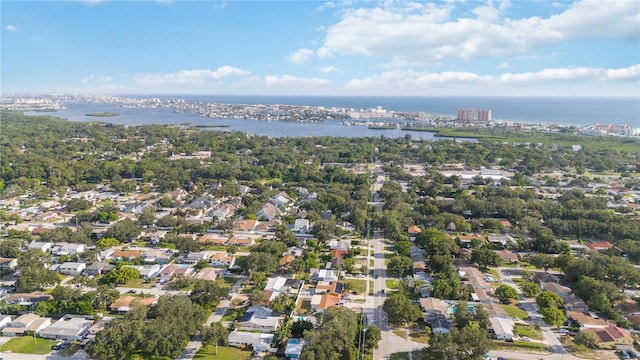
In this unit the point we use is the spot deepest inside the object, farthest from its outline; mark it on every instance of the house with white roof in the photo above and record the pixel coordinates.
(40, 245)
(67, 328)
(65, 249)
(260, 318)
(258, 341)
(72, 268)
(503, 328)
(26, 324)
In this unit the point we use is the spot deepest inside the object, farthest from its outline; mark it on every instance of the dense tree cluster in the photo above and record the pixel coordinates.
(153, 333)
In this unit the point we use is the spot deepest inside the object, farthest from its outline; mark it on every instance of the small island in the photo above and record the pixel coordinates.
(102, 114)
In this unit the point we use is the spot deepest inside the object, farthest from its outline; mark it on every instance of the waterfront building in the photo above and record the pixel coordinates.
(466, 114)
(484, 115)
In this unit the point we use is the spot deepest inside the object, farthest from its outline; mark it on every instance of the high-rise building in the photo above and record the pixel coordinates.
(484, 115)
(466, 114)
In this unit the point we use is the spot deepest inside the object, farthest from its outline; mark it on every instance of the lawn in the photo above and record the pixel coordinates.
(392, 284)
(28, 345)
(234, 314)
(370, 287)
(513, 311)
(401, 333)
(139, 283)
(72, 349)
(371, 263)
(527, 330)
(358, 286)
(493, 273)
(224, 353)
(229, 280)
(399, 356)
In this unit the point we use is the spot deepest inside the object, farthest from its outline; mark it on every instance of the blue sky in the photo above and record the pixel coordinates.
(322, 48)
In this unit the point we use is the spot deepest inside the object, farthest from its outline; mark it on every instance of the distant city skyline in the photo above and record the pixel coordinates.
(448, 48)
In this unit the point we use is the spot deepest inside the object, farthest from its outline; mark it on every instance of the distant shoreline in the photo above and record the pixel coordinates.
(102, 114)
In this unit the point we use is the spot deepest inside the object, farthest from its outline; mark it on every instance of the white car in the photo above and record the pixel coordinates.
(525, 338)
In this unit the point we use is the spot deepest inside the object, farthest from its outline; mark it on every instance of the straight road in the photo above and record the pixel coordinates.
(390, 342)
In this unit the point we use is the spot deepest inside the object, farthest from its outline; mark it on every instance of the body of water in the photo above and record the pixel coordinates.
(577, 111)
(165, 116)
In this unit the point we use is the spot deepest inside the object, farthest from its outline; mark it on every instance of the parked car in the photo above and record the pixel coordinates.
(57, 346)
(525, 338)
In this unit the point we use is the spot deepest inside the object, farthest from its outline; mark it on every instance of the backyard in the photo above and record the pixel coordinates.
(28, 345)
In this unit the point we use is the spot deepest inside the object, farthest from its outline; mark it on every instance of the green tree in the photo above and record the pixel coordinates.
(485, 258)
(586, 338)
(121, 275)
(399, 309)
(505, 293)
(549, 299)
(257, 297)
(372, 337)
(124, 231)
(283, 304)
(553, 316)
(106, 243)
(10, 248)
(400, 265)
(214, 334)
(530, 289)
(299, 327)
(209, 293)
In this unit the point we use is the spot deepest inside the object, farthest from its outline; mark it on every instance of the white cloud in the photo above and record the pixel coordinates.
(192, 77)
(427, 32)
(504, 65)
(327, 5)
(290, 80)
(300, 56)
(324, 53)
(11, 28)
(408, 81)
(553, 74)
(328, 69)
(629, 73)
(220, 5)
(97, 78)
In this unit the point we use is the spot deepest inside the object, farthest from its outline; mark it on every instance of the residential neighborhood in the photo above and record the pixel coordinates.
(408, 254)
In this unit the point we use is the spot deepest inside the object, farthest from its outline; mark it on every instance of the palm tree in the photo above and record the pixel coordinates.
(538, 330)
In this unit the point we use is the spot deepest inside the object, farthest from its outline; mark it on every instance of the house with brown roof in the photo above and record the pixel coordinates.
(207, 274)
(269, 226)
(241, 241)
(124, 303)
(414, 230)
(211, 239)
(126, 254)
(287, 259)
(245, 225)
(320, 302)
(167, 273)
(611, 336)
(222, 259)
(600, 246)
(8, 263)
(587, 321)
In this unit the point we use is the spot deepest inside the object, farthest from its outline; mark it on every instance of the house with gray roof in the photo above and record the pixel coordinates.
(67, 328)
